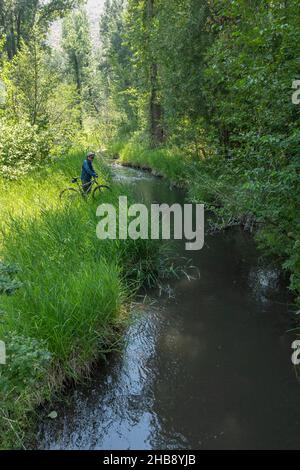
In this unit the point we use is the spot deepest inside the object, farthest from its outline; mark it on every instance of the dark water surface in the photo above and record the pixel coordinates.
(208, 368)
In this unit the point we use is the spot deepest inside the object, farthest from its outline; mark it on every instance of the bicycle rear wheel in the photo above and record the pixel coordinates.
(99, 191)
(70, 194)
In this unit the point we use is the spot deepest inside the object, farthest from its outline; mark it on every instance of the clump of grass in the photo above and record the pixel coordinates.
(115, 147)
(70, 288)
(169, 163)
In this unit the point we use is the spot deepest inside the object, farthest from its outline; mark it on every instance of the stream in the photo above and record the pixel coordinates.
(206, 364)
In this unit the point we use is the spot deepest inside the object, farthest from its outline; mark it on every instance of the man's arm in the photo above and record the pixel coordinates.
(89, 169)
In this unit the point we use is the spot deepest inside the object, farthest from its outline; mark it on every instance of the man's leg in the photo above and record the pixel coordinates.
(86, 186)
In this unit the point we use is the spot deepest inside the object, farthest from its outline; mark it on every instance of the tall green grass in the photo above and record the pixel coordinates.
(74, 288)
(70, 288)
(169, 163)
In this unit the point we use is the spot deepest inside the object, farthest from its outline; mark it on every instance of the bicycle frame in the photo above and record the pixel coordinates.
(79, 185)
(80, 190)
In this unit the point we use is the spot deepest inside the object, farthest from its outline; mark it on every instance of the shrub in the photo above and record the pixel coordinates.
(22, 380)
(22, 148)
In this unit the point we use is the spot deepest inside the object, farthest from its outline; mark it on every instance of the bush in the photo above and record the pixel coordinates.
(22, 380)
(27, 361)
(22, 148)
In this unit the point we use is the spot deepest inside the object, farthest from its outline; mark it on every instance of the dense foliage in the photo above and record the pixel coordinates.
(45, 93)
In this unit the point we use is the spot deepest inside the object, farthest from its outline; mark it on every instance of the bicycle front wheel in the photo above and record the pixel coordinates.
(70, 194)
(99, 191)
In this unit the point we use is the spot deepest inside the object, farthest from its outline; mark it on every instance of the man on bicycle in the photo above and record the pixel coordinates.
(88, 173)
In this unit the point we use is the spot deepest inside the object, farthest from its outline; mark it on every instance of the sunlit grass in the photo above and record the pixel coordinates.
(169, 163)
(40, 189)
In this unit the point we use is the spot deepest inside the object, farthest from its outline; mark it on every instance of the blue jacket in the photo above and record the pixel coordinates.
(87, 171)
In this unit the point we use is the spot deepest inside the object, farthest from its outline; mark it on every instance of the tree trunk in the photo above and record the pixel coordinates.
(155, 108)
(224, 137)
(11, 42)
(19, 30)
(36, 80)
(78, 85)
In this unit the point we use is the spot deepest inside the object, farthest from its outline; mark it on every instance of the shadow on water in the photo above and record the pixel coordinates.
(210, 369)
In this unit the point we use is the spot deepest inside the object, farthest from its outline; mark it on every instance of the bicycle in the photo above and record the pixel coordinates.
(73, 193)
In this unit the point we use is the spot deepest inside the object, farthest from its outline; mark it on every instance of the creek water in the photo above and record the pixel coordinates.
(206, 365)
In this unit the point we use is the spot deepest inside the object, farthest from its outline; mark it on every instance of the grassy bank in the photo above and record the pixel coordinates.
(169, 163)
(65, 294)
